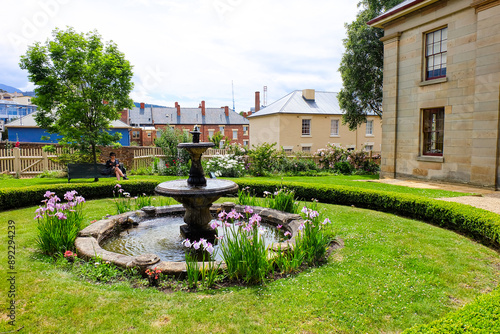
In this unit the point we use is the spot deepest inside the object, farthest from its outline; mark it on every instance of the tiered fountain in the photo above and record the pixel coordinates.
(198, 193)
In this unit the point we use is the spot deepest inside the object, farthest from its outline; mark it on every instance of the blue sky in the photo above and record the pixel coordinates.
(191, 50)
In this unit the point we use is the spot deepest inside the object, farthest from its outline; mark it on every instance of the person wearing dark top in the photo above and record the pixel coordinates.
(113, 167)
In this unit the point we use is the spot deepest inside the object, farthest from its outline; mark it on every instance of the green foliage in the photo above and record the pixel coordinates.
(217, 138)
(243, 249)
(59, 224)
(362, 64)
(16, 197)
(480, 316)
(87, 82)
(98, 270)
(54, 174)
(260, 158)
(342, 161)
(49, 148)
(176, 160)
(246, 198)
(477, 223)
(282, 199)
(311, 240)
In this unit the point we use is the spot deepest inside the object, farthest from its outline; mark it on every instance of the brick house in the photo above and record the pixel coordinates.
(441, 91)
(144, 118)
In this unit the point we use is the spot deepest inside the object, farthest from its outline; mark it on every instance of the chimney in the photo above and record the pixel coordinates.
(202, 108)
(257, 101)
(308, 94)
(142, 105)
(178, 107)
(124, 116)
(249, 113)
(226, 111)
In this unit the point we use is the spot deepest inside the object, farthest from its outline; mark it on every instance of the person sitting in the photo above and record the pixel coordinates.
(113, 167)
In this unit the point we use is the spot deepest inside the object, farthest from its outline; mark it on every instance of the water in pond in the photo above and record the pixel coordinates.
(161, 236)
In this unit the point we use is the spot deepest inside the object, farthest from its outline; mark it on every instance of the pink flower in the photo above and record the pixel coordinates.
(287, 233)
(186, 243)
(214, 224)
(48, 194)
(279, 226)
(248, 209)
(326, 221)
(60, 215)
(255, 219)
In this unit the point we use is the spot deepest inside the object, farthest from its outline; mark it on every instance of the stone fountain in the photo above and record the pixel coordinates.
(197, 193)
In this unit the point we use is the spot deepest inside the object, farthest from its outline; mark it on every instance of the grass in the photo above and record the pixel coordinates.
(355, 181)
(393, 273)
(350, 180)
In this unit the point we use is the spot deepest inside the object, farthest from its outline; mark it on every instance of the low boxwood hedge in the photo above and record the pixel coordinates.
(478, 223)
(480, 316)
(14, 198)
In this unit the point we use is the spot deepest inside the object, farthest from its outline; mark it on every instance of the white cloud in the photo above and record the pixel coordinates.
(191, 50)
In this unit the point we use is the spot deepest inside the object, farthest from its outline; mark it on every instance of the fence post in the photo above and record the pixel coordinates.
(17, 162)
(45, 159)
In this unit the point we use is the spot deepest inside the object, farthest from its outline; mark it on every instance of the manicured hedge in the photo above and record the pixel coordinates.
(480, 316)
(478, 223)
(13, 198)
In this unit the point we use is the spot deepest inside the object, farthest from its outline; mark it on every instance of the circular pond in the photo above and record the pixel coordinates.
(161, 236)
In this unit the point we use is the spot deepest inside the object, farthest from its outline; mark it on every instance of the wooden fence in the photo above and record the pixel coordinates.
(27, 162)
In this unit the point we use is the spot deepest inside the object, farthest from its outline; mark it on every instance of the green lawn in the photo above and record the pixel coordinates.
(393, 273)
(351, 181)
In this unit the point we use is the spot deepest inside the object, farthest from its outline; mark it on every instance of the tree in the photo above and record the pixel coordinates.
(362, 65)
(81, 86)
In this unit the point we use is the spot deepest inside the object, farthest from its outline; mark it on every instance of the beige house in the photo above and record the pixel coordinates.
(307, 121)
(441, 91)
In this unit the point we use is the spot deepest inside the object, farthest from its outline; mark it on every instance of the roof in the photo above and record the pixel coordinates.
(325, 103)
(168, 115)
(397, 11)
(28, 121)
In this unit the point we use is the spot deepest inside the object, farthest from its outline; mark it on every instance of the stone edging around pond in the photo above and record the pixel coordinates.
(89, 239)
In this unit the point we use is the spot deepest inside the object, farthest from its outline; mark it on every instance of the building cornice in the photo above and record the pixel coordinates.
(382, 20)
(481, 5)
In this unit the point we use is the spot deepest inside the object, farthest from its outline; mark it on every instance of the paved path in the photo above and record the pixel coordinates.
(486, 199)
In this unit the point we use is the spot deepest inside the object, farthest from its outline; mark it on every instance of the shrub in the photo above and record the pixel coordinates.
(59, 224)
(282, 199)
(176, 160)
(226, 165)
(260, 156)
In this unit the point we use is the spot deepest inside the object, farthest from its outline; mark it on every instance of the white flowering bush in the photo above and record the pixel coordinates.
(227, 165)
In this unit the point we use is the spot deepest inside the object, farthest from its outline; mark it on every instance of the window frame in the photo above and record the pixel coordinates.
(432, 136)
(235, 134)
(336, 133)
(432, 56)
(369, 133)
(306, 127)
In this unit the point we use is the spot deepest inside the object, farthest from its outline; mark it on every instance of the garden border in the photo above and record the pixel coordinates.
(480, 224)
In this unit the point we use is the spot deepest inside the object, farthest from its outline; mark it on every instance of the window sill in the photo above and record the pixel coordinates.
(370, 136)
(430, 158)
(334, 136)
(433, 81)
(306, 136)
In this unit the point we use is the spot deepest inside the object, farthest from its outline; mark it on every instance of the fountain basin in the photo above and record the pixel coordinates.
(89, 240)
(197, 202)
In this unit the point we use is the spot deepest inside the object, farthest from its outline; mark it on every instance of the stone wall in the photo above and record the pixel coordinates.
(469, 95)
